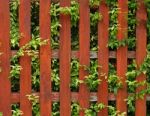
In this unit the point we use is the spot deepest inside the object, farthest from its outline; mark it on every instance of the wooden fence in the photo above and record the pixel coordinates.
(65, 96)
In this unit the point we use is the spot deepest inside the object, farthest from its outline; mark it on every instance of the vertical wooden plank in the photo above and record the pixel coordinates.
(5, 89)
(25, 61)
(65, 52)
(103, 58)
(45, 59)
(84, 55)
(141, 42)
(122, 55)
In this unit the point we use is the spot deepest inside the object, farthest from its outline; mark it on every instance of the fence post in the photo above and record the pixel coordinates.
(103, 57)
(84, 52)
(65, 58)
(141, 42)
(25, 61)
(5, 89)
(122, 55)
(45, 59)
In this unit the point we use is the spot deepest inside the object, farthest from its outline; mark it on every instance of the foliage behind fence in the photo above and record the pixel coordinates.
(74, 58)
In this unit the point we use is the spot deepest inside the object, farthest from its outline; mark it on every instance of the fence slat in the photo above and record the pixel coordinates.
(5, 89)
(65, 56)
(45, 59)
(25, 61)
(122, 55)
(84, 54)
(103, 56)
(65, 96)
(141, 35)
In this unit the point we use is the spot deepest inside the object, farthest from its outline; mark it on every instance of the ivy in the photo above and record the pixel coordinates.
(114, 112)
(34, 99)
(75, 108)
(16, 111)
(94, 3)
(95, 18)
(94, 109)
(14, 31)
(92, 80)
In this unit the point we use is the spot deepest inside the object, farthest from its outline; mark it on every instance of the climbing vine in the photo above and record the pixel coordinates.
(92, 80)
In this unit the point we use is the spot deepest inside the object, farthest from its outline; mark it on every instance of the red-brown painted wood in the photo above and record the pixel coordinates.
(122, 55)
(141, 35)
(5, 89)
(45, 59)
(103, 56)
(25, 61)
(65, 56)
(84, 54)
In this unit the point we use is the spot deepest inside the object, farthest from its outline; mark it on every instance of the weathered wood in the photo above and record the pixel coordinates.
(15, 97)
(65, 58)
(103, 59)
(122, 55)
(93, 54)
(5, 89)
(25, 61)
(45, 59)
(141, 35)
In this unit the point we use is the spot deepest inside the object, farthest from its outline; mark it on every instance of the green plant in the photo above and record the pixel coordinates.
(16, 111)
(74, 75)
(95, 18)
(94, 3)
(31, 50)
(75, 108)
(35, 104)
(113, 112)
(92, 80)
(55, 109)
(94, 109)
